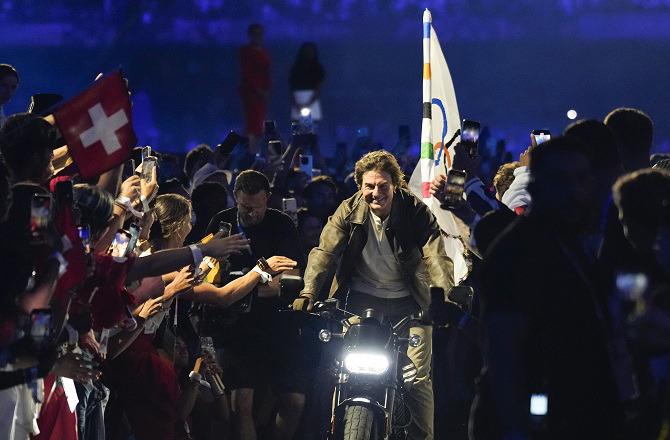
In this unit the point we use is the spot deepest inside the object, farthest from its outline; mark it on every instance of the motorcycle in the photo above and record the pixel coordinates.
(373, 373)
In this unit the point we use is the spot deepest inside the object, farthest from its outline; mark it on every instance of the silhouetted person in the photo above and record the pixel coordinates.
(633, 130)
(545, 326)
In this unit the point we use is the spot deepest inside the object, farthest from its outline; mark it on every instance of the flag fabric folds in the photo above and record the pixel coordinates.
(440, 120)
(97, 126)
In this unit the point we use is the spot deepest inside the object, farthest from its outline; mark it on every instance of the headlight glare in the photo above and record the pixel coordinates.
(366, 363)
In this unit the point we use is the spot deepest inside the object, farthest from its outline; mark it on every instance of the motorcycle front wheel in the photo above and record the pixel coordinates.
(359, 424)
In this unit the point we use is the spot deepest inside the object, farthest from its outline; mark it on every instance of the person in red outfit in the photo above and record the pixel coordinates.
(255, 84)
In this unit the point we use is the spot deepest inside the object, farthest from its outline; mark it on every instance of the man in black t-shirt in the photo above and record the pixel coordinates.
(263, 347)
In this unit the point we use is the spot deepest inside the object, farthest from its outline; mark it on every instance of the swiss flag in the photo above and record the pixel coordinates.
(97, 126)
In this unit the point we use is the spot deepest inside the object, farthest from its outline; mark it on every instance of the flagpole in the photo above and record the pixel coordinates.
(426, 121)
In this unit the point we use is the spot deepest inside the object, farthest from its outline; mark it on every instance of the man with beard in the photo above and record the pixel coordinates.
(262, 348)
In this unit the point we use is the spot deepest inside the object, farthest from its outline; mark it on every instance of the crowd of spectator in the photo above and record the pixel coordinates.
(146, 307)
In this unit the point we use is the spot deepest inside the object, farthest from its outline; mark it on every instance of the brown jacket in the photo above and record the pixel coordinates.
(414, 236)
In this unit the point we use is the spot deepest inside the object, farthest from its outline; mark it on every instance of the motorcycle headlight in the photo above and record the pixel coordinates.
(366, 363)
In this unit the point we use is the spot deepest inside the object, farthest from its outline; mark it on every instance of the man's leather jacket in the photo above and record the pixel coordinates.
(414, 236)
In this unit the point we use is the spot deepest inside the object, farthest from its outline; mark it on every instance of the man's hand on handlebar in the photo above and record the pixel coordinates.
(304, 302)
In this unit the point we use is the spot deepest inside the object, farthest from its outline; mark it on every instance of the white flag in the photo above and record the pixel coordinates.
(440, 122)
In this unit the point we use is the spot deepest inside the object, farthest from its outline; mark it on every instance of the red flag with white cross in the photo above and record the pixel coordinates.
(97, 126)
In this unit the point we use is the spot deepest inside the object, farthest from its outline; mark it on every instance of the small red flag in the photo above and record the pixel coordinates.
(97, 126)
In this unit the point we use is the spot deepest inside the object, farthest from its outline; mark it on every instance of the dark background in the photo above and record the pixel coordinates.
(516, 65)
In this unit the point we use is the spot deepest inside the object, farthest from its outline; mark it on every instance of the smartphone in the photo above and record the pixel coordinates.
(470, 135)
(146, 152)
(85, 237)
(541, 136)
(64, 193)
(225, 228)
(306, 164)
(270, 130)
(227, 146)
(40, 215)
(290, 207)
(275, 147)
(148, 165)
(128, 169)
(455, 186)
(134, 232)
(120, 244)
(539, 404)
(40, 325)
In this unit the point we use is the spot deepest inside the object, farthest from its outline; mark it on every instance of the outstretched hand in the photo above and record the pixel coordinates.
(280, 264)
(438, 187)
(181, 283)
(76, 367)
(224, 247)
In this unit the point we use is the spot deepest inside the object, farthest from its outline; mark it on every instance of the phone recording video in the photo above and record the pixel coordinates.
(227, 146)
(306, 164)
(541, 136)
(146, 152)
(134, 231)
(40, 215)
(148, 165)
(455, 187)
(40, 325)
(85, 237)
(225, 228)
(120, 244)
(470, 135)
(290, 207)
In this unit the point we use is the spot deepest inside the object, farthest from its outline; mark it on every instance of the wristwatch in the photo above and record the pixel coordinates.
(265, 277)
(263, 264)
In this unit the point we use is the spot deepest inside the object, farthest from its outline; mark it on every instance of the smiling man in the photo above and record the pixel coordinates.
(390, 250)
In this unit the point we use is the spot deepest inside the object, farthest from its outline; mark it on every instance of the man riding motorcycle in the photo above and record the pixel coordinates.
(388, 250)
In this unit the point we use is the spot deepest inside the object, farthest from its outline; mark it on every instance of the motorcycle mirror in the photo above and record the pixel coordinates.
(290, 286)
(462, 295)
